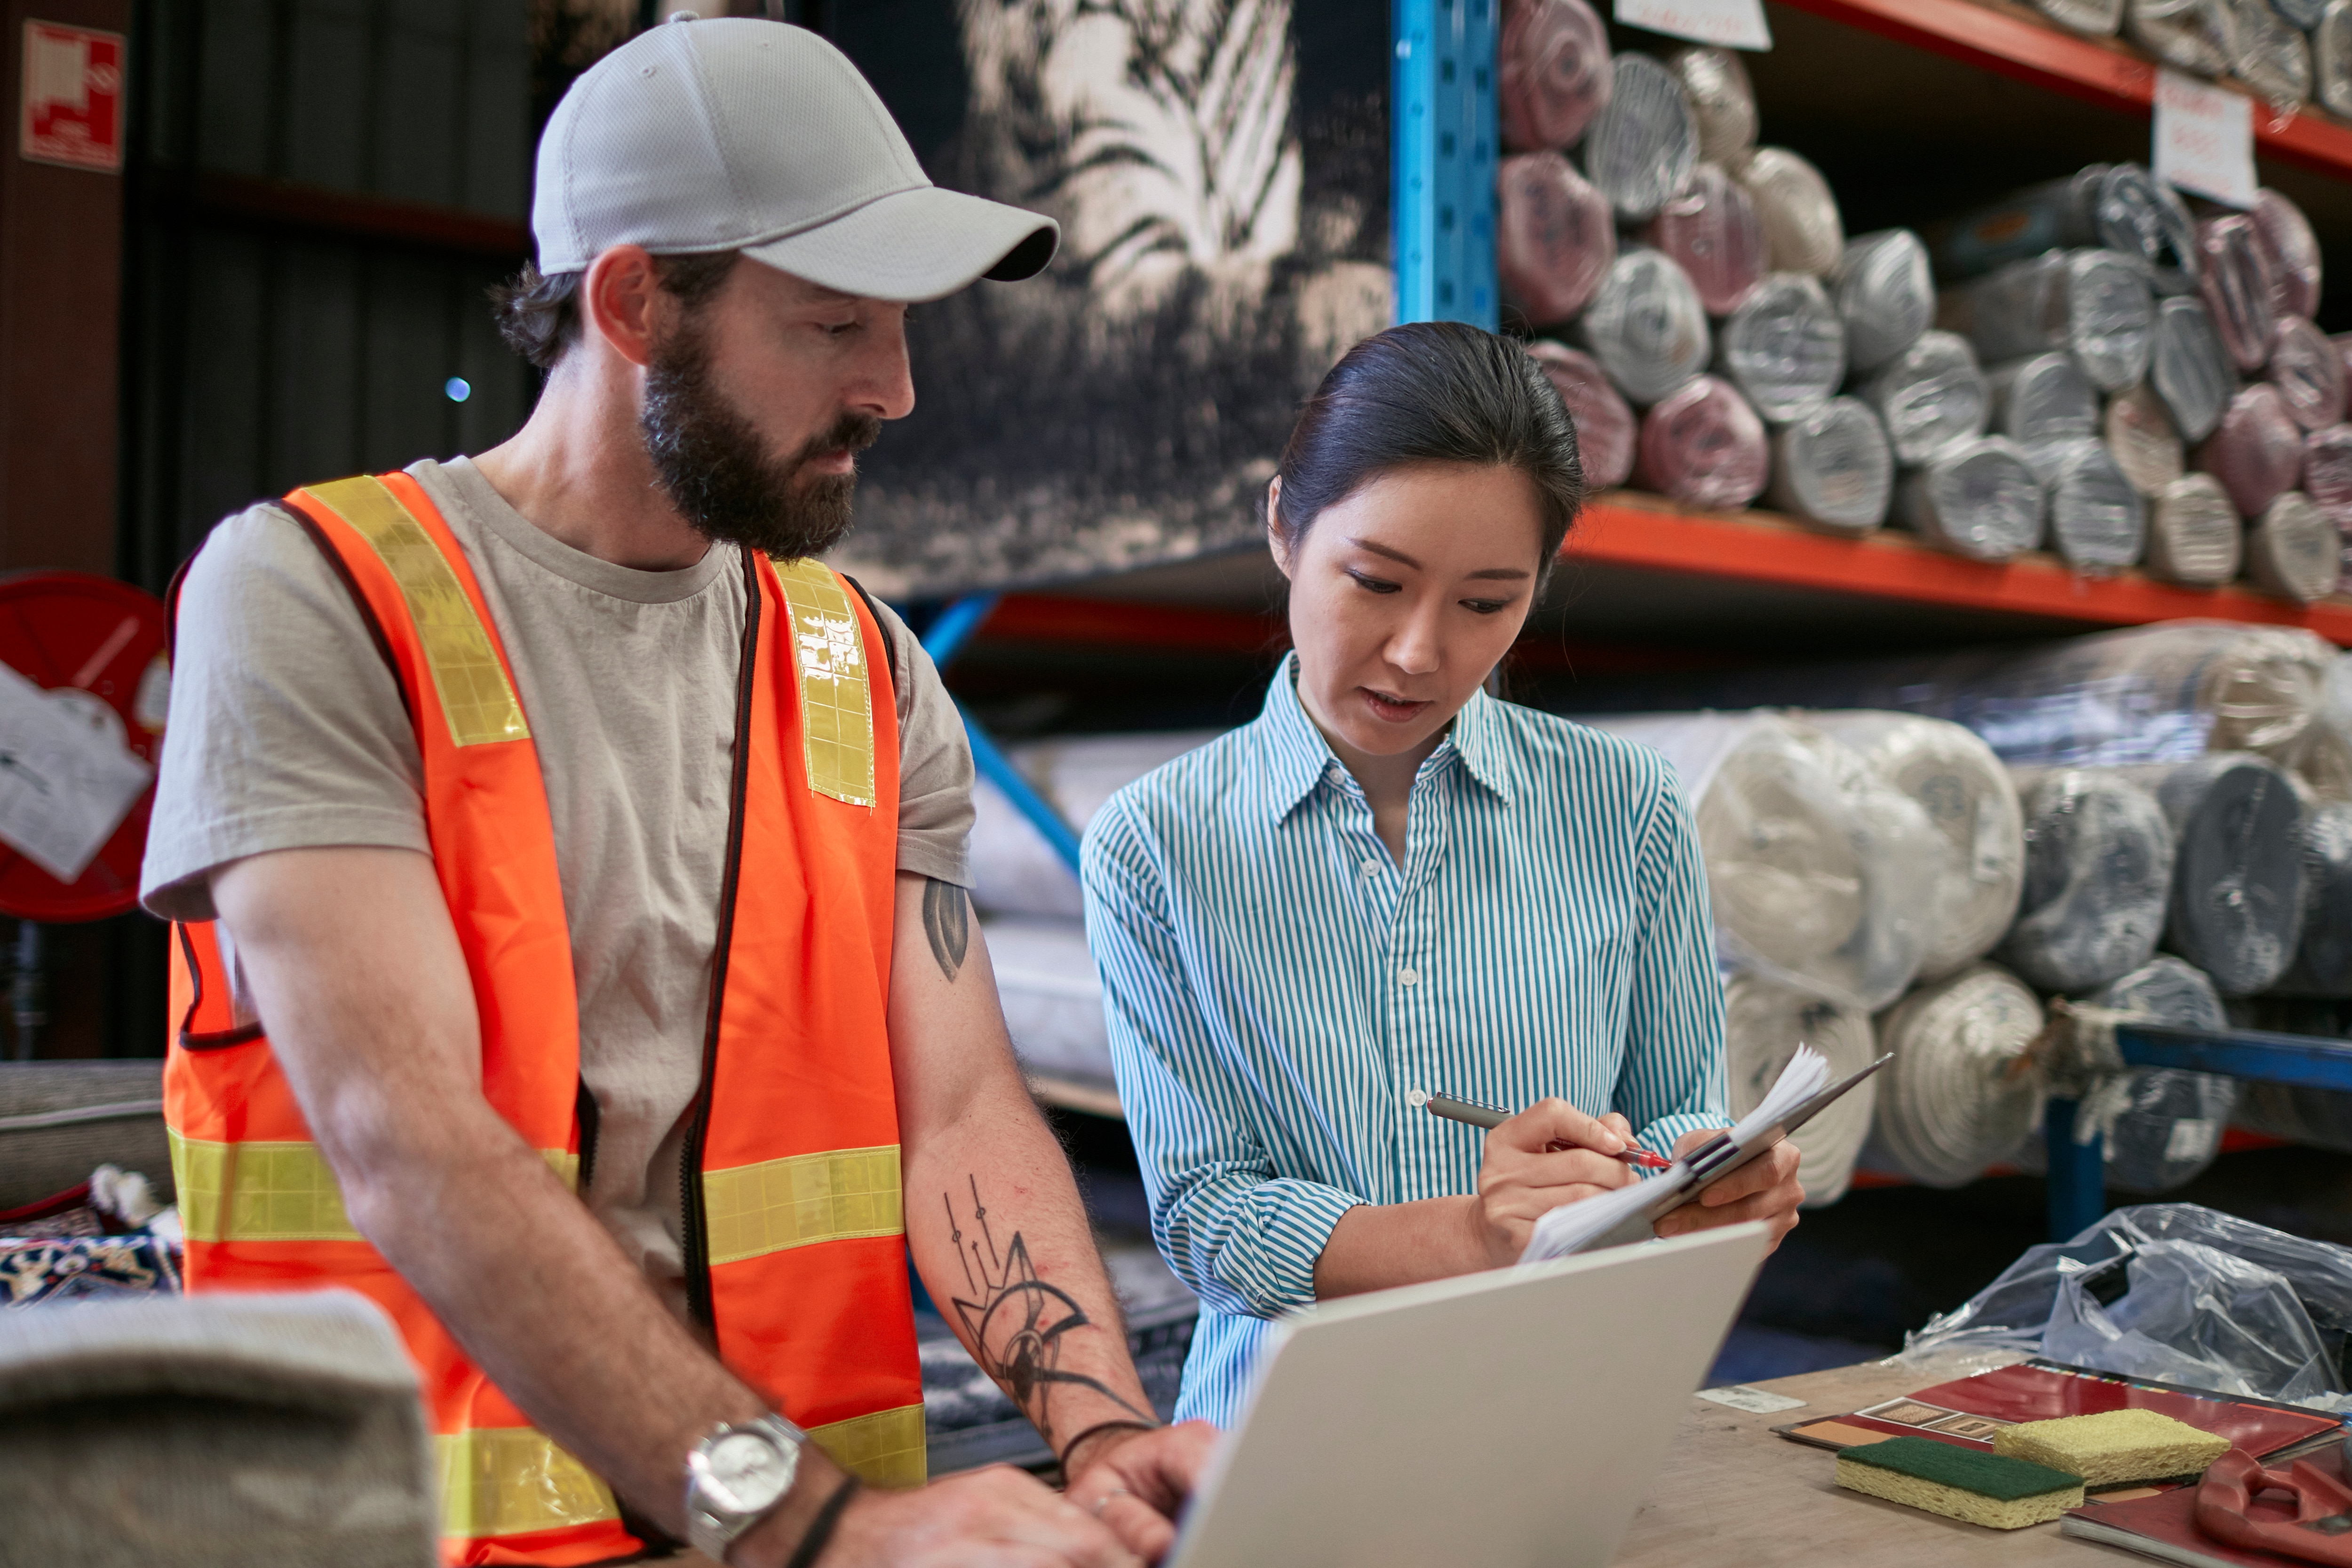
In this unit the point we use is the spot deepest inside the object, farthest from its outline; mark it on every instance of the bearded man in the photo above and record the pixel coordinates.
(573, 955)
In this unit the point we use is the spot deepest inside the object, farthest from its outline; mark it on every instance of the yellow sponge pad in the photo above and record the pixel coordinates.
(1966, 1484)
(2112, 1446)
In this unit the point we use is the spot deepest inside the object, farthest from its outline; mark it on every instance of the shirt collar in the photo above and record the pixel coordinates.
(1298, 757)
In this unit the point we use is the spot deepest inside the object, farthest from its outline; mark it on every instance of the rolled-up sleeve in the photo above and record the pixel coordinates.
(1673, 1078)
(1243, 1238)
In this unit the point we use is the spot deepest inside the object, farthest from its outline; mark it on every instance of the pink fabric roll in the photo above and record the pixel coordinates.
(1554, 236)
(2236, 285)
(2327, 470)
(1704, 447)
(1552, 66)
(1713, 230)
(2308, 372)
(1604, 421)
(2257, 453)
(2291, 249)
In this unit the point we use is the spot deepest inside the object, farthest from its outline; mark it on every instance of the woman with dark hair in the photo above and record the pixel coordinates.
(1391, 881)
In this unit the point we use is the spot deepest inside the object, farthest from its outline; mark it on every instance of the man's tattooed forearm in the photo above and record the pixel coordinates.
(1017, 1322)
(947, 921)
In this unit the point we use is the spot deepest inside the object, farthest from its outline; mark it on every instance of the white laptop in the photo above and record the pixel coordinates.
(1499, 1420)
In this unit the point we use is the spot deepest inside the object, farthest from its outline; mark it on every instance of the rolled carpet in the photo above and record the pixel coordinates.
(1645, 326)
(1977, 499)
(1783, 347)
(1640, 149)
(2308, 372)
(2194, 538)
(1959, 1094)
(2236, 905)
(1711, 230)
(1801, 226)
(2098, 875)
(2189, 368)
(1834, 468)
(2236, 285)
(1722, 99)
(2146, 447)
(2322, 959)
(1930, 396)
(1555, 236)
(1013, 870)
(2295, 550)
(1704, 447)
(2094, 304)
(2095, 517)
(2198, 36)
(1552, 64)
(2256, 451)
(2291, 249)
(1763, 1024)
(1885, 294)
(2044, 397)
(1606, 429)
(2161, 1126)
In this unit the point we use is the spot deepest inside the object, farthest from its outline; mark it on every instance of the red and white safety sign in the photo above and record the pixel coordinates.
(72, 97)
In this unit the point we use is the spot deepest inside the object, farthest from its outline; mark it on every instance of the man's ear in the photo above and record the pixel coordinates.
(1273, 537)
(621, 301)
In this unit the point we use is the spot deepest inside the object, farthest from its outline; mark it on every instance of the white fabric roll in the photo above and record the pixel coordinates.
(1052, 996)
(1957, 1098)
(1885, 294)
(1978, 498)
(2146, 445)
(1832, 467)
(1784, 347)
(1013, 870)
(1646, 326)
(2095, 519)
(2093, 304)
(2098, 871)
(1763, 1024)
(1930, 396)
(2189, 368)
(2043, 398)
(1640, 148)
(1722, 99)
(2194, 538)
(2295, 550)
(2198, 36)
(1801, 225)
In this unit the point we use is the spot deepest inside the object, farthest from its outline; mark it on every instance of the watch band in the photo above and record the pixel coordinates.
(711, 1526)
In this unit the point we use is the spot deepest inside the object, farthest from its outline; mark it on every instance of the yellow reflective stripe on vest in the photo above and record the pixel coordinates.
(753, 1210)
(475, 695)
(883, 1449)
(511, 1480)
(276, 1191)
(836, 703)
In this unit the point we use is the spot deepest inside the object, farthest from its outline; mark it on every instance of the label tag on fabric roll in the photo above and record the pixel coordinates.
(1739, 1396)
(2192, 1138)
(2204, 138)
(1733, 24)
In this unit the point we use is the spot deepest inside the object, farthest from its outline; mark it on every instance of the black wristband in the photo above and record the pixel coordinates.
(820, 1531)
(1071, 1447)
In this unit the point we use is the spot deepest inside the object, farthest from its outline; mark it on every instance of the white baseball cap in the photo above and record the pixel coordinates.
(733, 133)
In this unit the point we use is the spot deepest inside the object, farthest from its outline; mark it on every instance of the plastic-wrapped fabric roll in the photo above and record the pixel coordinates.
(2256, 451)
(1817, 869)
(2295, 550)
(2323, 959)
(1555, 236)
(1552, 64)
(2189, 368)
(1712, 231)
(1973, 807)
(2194, 538)
(2327, 469)
(2198, 36)
(1722, 98)
(1977, 499)
(2236, 906)
(1704, 447)
(2273, 57)
(2095, 517)
(2098, 876)
(2094, 304)
(2161, 1126)
(1645, 326)
(1052, 996)
(2091, 18)
(1013, 870)
(1763, 1024)
(1784, 347)
(1832, 467)
(2044, 398)
(2308, 372)
(1605, 427)
(2133, 212)
(1885, 294)
(1930, 396)
(2236, 286)
(2291, 250)
(2140, 434)
(1957, 1098)
(2316, 1118)
(2303, 13)
(1801, 226)
(2331, 57)
(1640, 148)
(2120, 206)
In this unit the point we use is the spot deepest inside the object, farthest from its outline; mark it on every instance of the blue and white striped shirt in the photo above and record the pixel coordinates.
(1275, 983)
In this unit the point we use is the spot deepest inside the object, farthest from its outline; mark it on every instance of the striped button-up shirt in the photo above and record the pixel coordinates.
(1275, 983)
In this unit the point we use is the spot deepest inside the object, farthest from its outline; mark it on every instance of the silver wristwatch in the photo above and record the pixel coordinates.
(735, 1477)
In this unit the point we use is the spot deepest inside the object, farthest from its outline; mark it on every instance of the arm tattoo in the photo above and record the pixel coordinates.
(948, 923)
(1018, 1322)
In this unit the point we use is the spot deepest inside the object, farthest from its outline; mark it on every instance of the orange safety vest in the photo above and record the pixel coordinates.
(796, 1240)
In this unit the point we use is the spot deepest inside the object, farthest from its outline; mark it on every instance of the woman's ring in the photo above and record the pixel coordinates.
(1103, 1501)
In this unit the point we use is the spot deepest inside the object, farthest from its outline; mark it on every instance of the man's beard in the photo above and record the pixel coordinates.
(713, 468)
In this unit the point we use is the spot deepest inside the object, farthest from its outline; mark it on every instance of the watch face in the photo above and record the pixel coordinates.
(749, 1468)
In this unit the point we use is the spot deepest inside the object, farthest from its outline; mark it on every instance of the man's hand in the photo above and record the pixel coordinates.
(1134, 1481)
(1548, 1154)
(1765, 1189)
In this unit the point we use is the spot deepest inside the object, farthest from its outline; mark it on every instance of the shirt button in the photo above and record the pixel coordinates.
(1408, 977)
(1371, 868)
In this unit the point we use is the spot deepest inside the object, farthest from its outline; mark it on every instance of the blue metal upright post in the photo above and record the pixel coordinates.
(942, 640)
(1441, 144)
(2077, 1179)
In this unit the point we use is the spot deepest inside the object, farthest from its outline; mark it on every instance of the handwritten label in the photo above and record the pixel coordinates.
(1739, 1396)
(2205, 139)
(1733, 24)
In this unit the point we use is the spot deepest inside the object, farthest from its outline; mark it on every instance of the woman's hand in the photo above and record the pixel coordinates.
(1765, 1189)
(1547, 1155)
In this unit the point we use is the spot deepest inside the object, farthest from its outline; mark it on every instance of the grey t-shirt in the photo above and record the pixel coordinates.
(286, 731)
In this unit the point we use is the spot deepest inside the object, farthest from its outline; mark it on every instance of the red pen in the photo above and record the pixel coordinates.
(1471, 1113)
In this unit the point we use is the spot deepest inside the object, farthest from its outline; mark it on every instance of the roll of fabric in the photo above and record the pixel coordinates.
(2140, 434)
(1834, 468)
(2093, 304)
(2091, 18)
(2303, 13)
(2316, 1118)
(1713, 234)
(2194, 538)
(2308, 371)
(1957, 1097)
(1885, 294)
(2323, 957)
(2133, 212)
(1552, 64)
(2098, 875)
(2198, 36)
(1704, 447)
(2161, 1126)
(1930, 396)
(2043, 398)
(1721, 96)
(2237, 287)
(2291, 251)
(1763, 1024)
(1052, 996)
(2273, 57)
(1970, 802)
(1803, 231)
(1555, 236)
(2327, 470)
(1977, 499)
(1784, 347)
(2331, 57)
(2295, 550)
(2096, 520)
(2236, 905)
(1645, 326)
(1640, 148)
(1013, 870)
(2189, 368)
(2256, 451)
(1605, 427)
